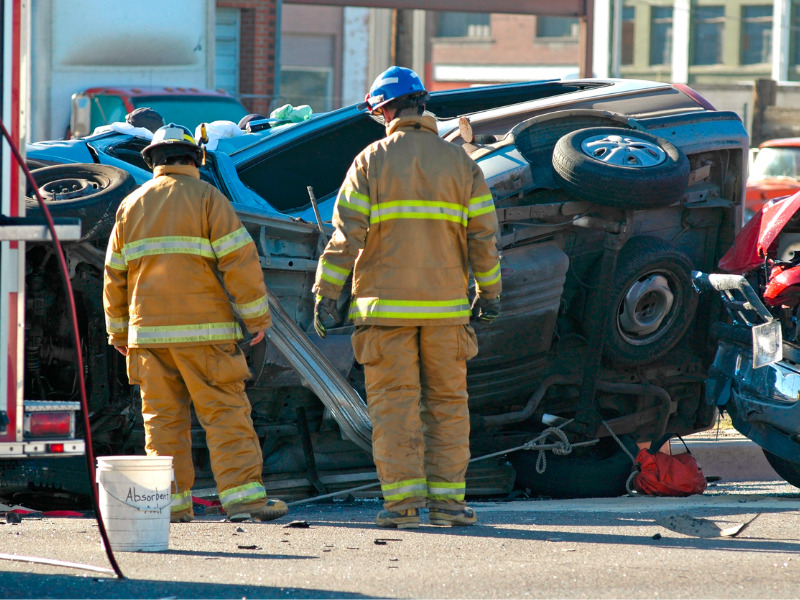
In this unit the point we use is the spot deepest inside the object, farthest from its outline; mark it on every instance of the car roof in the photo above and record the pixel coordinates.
(542, 94)
(138, 90)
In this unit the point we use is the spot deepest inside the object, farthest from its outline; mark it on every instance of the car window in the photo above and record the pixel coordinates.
(130, 151)
(776, 162)
(320, 161)
(190, 111)
(106, 109)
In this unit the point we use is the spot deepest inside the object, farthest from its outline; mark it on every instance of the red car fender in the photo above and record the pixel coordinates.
(780, 289)
(755, 241)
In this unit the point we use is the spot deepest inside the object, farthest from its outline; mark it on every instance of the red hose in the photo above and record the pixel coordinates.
(79, 355)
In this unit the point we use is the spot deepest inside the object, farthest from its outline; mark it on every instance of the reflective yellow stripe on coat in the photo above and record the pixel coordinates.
(419, 209)
(179, 334)
(409, 309)
(171, 244)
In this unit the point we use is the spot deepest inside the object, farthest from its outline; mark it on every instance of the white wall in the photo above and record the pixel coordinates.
(76, 44)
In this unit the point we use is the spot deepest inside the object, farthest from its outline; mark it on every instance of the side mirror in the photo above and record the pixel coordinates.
(80, 120)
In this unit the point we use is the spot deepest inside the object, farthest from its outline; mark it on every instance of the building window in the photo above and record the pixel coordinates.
(307, 85)
(708, 24)
(557, 27)
(756, 35)
(463, 25)
(795, 43)
(628, 14)
(661, 35)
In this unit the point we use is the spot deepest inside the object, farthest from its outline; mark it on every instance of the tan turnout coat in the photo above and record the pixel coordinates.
(430, 217)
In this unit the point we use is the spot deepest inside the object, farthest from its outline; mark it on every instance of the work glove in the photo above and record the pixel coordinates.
(325, 309)
(485, 309)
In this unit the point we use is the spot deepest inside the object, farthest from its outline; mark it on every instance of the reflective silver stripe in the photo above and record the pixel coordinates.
(480, 205)
(488, 277)
(409, 309)
(253, 309)
(333, 274)
(115, 260)
(233, 241)
(181, 502)
(354, 201)
(419, 209)
(174, 334)
(242, 493)
(167, 245)
(404, 489)
(116, 325)
(443, 490)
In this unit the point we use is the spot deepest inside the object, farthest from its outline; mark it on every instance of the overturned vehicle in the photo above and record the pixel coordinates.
(755, 376)
(609, 193)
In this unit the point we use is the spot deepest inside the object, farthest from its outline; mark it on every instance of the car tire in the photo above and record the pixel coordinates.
(619, 167)
(89, 192)
(651, 300)
(788, 470)
(599, 472)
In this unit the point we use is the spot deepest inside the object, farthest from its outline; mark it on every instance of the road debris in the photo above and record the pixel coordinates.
(697, 527)
(297, 525)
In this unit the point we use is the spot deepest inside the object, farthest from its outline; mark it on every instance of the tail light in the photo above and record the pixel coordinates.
(49, 424)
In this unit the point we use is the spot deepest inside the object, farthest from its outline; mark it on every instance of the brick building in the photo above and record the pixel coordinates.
(246, 50)
(482, 48)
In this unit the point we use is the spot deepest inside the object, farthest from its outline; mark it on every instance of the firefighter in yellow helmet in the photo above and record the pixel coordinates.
(177, 247)
(413, 215)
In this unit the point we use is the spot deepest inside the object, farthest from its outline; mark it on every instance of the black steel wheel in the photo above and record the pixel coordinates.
(89, 192)
(619, 167)
(651, 299)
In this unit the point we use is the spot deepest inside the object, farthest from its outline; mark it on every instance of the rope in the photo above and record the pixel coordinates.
(562, 447)
(636, 468)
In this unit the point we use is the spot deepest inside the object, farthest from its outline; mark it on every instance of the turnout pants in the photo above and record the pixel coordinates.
(212, 378)
(416, 379)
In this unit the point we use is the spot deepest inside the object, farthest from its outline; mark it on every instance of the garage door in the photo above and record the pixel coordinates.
(226, 72)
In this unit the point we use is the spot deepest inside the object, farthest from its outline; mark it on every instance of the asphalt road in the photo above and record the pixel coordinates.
(630, 547)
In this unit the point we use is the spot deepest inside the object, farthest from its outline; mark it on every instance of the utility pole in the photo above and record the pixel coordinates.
(403, 37)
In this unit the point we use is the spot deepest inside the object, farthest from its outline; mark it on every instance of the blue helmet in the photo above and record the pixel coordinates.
(392, 84)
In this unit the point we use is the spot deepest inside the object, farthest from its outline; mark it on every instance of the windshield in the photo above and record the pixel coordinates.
(190, 111)
(776, 162)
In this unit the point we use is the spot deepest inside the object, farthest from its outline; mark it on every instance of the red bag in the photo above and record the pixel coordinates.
(667, 475)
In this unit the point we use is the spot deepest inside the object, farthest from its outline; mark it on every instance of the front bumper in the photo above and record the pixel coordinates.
(764, 402)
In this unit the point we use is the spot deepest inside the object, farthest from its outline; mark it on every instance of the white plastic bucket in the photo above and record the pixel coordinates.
(134, 496)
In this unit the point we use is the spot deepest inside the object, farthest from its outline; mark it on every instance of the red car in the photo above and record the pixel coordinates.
(774, 173)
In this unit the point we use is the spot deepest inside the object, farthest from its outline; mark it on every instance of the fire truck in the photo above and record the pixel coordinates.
(30, 427)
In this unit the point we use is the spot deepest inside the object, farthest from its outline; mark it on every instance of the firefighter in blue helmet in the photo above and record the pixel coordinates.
(413, 215)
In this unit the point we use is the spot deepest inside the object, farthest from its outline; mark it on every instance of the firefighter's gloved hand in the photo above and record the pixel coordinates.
(325, 310)
(485, 309)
